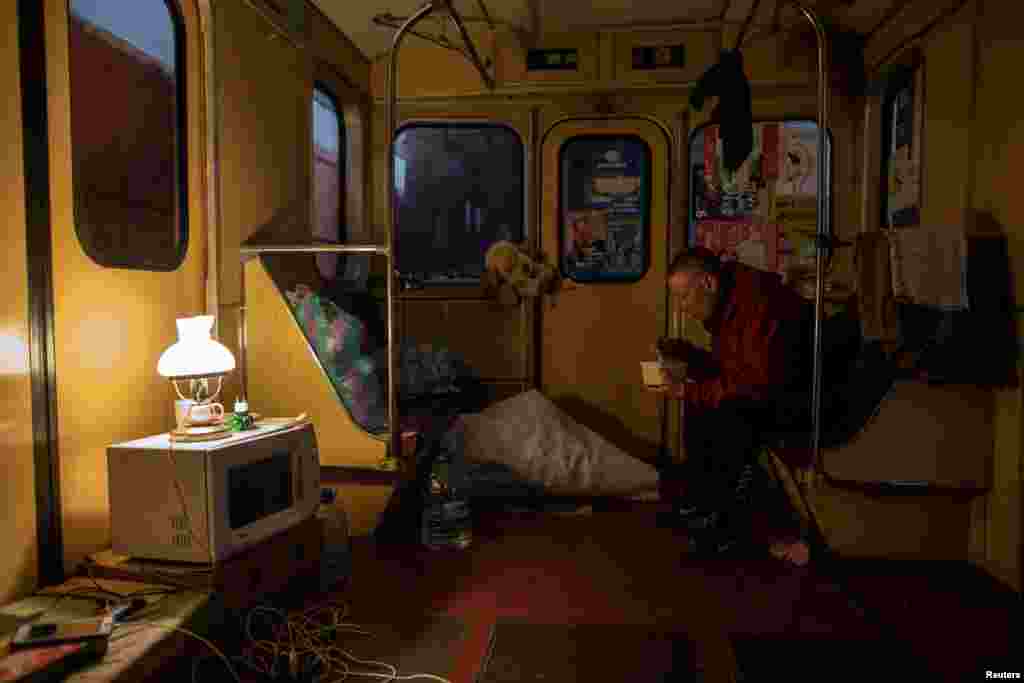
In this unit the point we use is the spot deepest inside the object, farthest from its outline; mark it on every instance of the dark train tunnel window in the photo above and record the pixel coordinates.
(458, 190)
(328, 175)
(128, 132)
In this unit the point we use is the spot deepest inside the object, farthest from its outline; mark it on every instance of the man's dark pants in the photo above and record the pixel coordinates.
(721, 492)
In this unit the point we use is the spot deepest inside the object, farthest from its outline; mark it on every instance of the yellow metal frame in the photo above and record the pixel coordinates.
(275, 351)
(281, 380)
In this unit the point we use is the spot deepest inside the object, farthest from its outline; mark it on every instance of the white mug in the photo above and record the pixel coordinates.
(190, 413)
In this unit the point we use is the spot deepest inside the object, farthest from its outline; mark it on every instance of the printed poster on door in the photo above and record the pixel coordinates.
(605, 207)
(764, 214)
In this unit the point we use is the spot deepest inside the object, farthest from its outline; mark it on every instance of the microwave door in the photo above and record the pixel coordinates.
(258, 492)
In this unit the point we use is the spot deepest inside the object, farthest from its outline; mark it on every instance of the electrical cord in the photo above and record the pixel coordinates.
(305, 642)
(135, 610)
(152, 624)
(100, 589)
(303, 646)
(181, 498)
(120, 630)
(202, 540)
(104, 598)
(300, 640)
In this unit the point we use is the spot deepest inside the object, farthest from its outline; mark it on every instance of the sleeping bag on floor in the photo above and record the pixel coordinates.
(541, 444)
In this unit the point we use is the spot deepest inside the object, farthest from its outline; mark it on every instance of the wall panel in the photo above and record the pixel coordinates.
(330, 45)
(973, 146)
(490, 338)
(111, 325)
(18, 565)
(997, 152)
(948, 94)
(264, 90)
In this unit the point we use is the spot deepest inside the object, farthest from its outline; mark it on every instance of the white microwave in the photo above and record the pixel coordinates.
(207, 501)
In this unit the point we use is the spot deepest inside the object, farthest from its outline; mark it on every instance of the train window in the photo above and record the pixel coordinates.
(128, 132)
(605, 200)
(328, 175)
(765, 213)
(458, 189)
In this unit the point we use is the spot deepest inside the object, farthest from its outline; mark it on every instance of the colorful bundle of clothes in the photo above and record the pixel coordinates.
(341, 342)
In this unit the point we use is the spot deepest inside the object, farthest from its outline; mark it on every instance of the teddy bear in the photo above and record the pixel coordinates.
(510, 274)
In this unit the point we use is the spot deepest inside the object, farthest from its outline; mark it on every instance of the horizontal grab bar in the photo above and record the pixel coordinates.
(315, 249)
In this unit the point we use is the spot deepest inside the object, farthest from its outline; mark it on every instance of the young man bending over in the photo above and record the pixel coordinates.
(758, 382)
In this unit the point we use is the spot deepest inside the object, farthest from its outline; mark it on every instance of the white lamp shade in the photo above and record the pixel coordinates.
(196, 353)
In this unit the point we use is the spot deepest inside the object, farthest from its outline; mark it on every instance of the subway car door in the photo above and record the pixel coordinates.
(605, 219)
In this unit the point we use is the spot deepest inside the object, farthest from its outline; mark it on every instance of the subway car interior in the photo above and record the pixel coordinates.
(507, 340)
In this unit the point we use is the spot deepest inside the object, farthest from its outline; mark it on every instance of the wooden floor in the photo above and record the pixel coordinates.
(616, 566)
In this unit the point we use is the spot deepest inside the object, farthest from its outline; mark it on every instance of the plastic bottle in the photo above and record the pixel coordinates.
(447, 522)
(335, 557)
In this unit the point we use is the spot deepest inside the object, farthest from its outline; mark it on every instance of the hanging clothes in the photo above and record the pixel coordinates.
(876, 304)
(733, 113)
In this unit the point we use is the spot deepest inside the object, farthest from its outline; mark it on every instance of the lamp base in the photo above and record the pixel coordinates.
(191, 434)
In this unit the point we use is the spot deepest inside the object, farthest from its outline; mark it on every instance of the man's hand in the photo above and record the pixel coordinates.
(676, 390)
(676, 349)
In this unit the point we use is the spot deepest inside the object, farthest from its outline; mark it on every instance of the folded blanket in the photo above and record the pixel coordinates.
(929, 266)
(543, 446)
(876, 305)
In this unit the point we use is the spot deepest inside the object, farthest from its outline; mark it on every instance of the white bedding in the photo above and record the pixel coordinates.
(531, 436)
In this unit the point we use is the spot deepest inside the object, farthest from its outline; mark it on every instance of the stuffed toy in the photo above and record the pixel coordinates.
(510, 274)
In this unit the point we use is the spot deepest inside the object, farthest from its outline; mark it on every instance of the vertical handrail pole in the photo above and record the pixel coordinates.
(391, 116)
(243, 345)
(823, 232)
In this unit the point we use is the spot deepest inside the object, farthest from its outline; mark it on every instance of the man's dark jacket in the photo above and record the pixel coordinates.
(761, 339)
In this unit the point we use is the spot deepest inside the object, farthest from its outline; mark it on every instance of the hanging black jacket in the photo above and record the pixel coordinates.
(733, 113)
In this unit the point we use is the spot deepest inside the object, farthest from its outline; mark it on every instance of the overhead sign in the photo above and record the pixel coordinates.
(562, 59)
(659, 57)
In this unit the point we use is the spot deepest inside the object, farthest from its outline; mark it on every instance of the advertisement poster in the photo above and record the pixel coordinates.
(605, 198)
(905, 115)
(798, 152)
(755, 244)
(765, 213)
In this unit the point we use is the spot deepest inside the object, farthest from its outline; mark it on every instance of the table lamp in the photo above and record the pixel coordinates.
(197, 358)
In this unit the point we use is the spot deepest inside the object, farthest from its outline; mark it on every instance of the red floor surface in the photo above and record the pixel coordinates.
(618, 567)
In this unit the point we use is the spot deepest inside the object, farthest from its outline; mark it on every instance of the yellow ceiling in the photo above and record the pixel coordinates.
(355, 18)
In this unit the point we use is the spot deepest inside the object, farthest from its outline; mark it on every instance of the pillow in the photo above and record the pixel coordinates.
(481, 479)
(541, 444)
